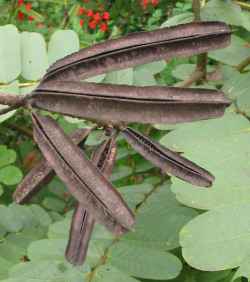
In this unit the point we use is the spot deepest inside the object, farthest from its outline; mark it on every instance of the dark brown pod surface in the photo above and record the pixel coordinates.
(122, 103)
(84, 181)
(83, 222)
(140, 48)
(42, 173)
(169, 161)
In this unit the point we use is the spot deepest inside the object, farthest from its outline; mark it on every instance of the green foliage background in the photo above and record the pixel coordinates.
(183, 233)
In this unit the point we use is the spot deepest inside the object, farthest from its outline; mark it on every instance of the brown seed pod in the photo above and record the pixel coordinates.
(42, 173)
(122, 103)
(83, 222)
(84, 181)
(140, 48)
(168, 160)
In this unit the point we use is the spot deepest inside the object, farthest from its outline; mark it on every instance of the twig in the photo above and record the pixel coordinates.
(194, 77)
(9, 109)
(10, 100)
(196, 6)
(200, 72)
(243, 5)
(243, 64)
(13, 101)
(201, 66)
(25, 131)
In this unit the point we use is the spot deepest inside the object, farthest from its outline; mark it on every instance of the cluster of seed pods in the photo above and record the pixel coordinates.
(62, 91)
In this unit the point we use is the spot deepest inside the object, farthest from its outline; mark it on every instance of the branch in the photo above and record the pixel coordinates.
(13, 101)
(200, 72)
(196, 76)
(243, 5)
(23, 130)
(196, 6)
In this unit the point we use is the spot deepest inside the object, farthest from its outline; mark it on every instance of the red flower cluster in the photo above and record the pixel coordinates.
(145, 3)
(21, 15)
(93, 19)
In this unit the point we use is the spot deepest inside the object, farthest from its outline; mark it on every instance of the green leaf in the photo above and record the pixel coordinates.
(144, 74)
(237, 85)
(121, 171)
(95, 138)
(244, 269)
(9, 220)
(120, 77)
(10, 57)
(143, 77)
(184, 71)
(61, 44)
(45, 249)
(7, 156)
(233, 54)
(4, 267)
(220, 146)
(97, 78)
(243, 103)
(23, 228)
(245, 20)
(159, 221)
(182, 18)
(60, 229)
(135, 194)
(41, 215)
(34, 55)
(47, 271)
(108, 273)
(54, 204)
(15, 217)
(225, 11)
(10, 175)
(218, 239)
(143, 262)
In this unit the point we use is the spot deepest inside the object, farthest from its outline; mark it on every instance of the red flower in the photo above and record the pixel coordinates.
(20, 16)
(81, 22)
(97, 17)
(31, 18)
(28, 7)
(20, 2)
(103, 27)
(92, 24)
(90, 13)
(106, 16)
(81, 11)
(155, 2)
(85, 1)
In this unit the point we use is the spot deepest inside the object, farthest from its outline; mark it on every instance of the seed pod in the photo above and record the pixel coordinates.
(81, 229)
(42, 173)
(84, 181)
(168, 160)
(83, 222)
(140, 48)
(122, 103)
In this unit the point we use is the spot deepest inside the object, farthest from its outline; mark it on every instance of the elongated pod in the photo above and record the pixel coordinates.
(140, 48)
(83, 222)
(122, 103)
(84, 181)
(42, 173)
(168, 160)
